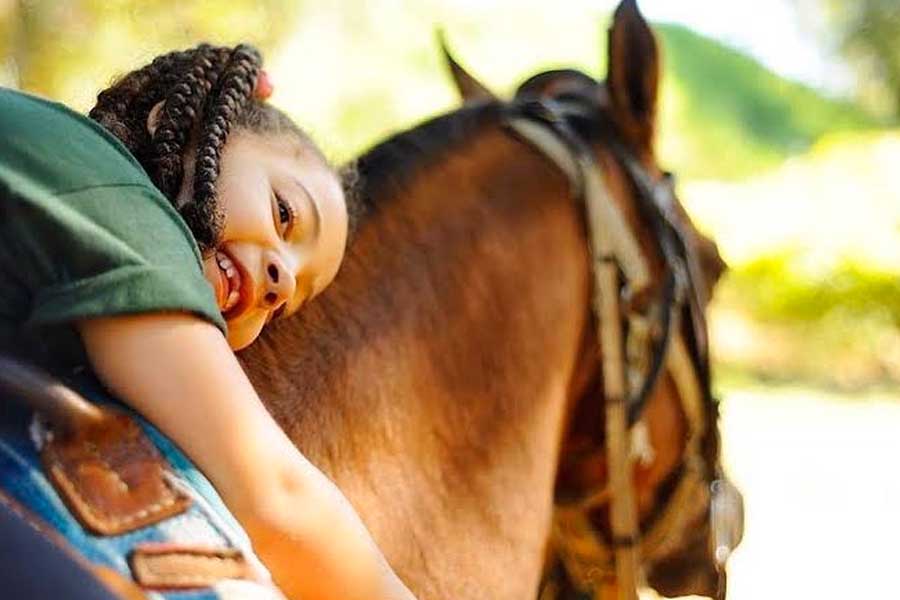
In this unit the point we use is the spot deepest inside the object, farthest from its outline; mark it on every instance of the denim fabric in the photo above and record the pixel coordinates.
(206, 523)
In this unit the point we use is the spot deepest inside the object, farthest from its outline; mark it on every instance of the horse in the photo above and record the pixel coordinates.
(449, 381)
(452, 380)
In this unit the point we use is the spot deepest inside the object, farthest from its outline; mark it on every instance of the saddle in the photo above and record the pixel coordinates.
(98, 479)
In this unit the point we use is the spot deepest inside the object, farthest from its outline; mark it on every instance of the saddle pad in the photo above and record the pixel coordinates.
(203, 538)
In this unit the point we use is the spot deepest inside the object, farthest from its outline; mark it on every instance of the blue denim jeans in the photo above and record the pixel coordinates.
(206, 523)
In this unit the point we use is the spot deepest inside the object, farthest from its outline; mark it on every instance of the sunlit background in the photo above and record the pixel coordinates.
(780, 116)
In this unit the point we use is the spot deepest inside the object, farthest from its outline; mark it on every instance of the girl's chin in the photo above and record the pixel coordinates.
(244, 331)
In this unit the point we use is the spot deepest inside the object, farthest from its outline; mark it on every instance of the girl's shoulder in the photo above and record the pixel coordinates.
(51, 147)
(83, 231)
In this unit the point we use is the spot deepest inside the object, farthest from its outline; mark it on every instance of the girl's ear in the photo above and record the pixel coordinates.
(153, 117)
(633, 77)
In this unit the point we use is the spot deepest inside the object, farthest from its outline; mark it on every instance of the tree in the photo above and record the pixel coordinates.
(867, 32)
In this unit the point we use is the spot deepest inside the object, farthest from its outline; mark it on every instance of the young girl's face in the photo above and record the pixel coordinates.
(284, 234)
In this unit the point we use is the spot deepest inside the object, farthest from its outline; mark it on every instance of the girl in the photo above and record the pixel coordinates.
(153, 245)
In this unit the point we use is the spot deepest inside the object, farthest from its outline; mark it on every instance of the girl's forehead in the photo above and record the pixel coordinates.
(283, 145)
(268, 141)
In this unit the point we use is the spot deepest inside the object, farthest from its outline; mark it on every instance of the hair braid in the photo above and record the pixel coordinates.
(203, 90)
(123, 108)
(181, 108)
(207, 92)
(227, 101)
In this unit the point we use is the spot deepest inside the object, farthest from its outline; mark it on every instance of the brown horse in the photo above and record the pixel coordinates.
(449, 380)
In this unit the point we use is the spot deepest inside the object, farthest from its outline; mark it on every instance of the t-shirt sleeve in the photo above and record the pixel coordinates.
(103, 251)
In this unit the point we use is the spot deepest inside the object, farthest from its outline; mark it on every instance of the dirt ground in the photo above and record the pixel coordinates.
(820, 475)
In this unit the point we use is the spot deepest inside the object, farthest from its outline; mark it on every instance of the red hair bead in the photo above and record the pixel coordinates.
(264, 87)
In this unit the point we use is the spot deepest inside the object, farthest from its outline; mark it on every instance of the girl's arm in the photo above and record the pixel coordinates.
(179, 372)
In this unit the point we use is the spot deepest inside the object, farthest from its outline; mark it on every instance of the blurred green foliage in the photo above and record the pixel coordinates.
(733, 117)
(837, 327)
(70, 49)
(724, 115)
(780, 287)
(867, 32)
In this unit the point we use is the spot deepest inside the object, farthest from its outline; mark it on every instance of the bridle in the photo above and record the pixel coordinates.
(638, 343)
(641, 336)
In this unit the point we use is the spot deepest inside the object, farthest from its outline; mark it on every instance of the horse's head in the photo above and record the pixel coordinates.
(683, 551)
(627, 101)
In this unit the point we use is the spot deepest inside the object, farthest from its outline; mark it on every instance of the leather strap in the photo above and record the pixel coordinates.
(100, 461)
(164, 566)
(61, 406)
(628, 375)
(111, 476)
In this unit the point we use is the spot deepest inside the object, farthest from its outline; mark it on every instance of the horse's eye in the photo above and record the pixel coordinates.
(669, 178)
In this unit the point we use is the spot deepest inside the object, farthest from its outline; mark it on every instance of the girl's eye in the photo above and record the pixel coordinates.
(285, 215)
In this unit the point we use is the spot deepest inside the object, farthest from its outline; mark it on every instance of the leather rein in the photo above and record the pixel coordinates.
(641, 338)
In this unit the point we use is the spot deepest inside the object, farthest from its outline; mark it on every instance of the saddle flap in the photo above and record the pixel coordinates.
(111, 476)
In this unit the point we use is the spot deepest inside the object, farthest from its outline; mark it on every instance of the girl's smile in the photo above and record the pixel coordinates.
(227, 283)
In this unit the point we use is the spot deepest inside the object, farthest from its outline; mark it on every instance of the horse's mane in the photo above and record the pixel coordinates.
(377, 175)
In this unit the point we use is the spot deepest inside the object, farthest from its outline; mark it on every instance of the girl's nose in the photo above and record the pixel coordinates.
(280, 282)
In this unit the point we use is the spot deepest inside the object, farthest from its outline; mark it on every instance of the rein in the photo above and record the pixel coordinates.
(640, 337)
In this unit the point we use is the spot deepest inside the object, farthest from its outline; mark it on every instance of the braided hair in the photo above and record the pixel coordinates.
(207, 92)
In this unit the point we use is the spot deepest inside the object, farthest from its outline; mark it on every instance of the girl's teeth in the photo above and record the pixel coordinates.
(232, 300)
(231, 273)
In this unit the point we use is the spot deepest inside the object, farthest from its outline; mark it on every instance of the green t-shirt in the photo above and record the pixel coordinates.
(83, 233)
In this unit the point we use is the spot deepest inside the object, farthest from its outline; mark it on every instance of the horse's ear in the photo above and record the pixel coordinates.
(633, 77)
(469, 88)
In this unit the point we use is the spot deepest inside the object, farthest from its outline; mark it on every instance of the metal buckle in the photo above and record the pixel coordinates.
(726, 519)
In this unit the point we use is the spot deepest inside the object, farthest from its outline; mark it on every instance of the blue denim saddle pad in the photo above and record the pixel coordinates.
(207, 522)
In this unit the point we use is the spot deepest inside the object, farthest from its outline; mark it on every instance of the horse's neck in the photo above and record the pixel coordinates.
(430, 380)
